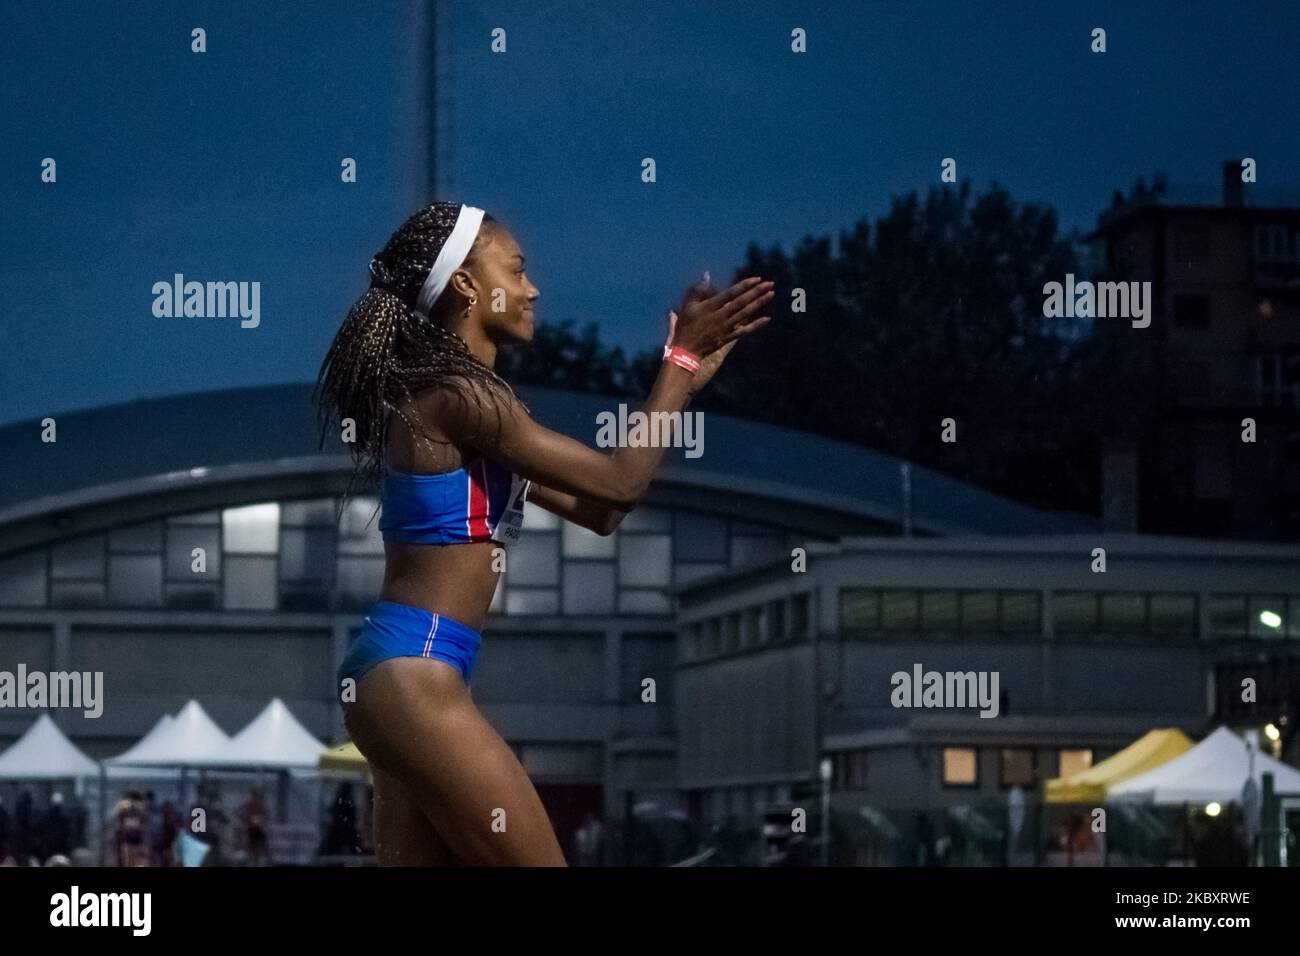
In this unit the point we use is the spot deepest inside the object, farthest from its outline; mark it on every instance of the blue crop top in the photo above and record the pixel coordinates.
(481, 501)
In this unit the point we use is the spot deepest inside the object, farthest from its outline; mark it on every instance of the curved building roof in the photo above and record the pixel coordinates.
(130, 460)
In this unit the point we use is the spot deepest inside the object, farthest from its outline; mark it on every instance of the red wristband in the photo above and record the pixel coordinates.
(679, 356)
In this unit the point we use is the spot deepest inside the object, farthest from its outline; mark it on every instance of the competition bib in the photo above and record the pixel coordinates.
(512, 519)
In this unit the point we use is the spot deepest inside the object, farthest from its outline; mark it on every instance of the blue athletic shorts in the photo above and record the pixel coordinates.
(398, 630)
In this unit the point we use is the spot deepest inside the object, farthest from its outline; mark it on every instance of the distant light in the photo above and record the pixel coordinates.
(198, 472)
(1270, 619)
(1271, 732)
(1212, 809)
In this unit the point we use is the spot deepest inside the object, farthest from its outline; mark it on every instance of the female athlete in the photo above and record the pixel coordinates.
(417, 352)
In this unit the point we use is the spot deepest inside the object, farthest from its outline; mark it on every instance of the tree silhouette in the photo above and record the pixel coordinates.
(936, 312)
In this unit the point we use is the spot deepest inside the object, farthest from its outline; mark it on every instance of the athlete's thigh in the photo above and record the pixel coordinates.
(452, 763)
(487, 809)
(403, 834)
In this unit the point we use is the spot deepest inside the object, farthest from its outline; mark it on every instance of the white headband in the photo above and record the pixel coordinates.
(450, 257)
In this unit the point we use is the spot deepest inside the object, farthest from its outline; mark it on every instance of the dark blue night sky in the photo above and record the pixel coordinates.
(225, 166)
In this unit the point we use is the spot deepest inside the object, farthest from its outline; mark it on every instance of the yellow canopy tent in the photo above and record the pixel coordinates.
(1154, 748)
(345, 757)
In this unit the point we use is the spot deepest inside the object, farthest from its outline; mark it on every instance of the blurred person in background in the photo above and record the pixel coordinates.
(56, 829)
(341, 834)
(253, 817)
(23, 832)
(130, 831)
(171, 828)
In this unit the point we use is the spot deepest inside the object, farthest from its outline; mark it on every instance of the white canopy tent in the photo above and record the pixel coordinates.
(1214, 771)
(148, 741)
(187, 740)
(274, 739)
(43, 752)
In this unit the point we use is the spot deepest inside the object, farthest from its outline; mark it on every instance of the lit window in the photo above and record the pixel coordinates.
(253, 529)
(960, 767)
(1075, 762)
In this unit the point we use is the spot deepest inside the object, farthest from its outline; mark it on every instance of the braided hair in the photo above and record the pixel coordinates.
(385, 353)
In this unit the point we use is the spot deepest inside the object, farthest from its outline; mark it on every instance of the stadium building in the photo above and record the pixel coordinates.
(759, 671)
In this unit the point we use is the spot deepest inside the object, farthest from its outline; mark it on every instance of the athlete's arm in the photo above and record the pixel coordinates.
(589, 514)
(501, 429)
(593, 515)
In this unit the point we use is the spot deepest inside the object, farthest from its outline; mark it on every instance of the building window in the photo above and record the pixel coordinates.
(647, 519)
(1021, 612)
(979, 611)
(939, 612)
(307, 555)
(694, 641)
(534, 560)
(1273, 244)
(1228, 616)
(961, 767)
(249, 583)
(1275, 383)
(859, 609)
(699, 538)
(645, 560)
(580, 542)
(755, 549)
(849, 770)
(136, 539)
(943, 614)
(308, 541)
(589, 587)
(753, 627)
(135, 580)
(1173, 614)
(359, 529)
(1074, 762)
(360, 579)
(182, 540)
(307, 513)
(1075, 612)
(1123, 614)
(1017, 767)
(644, 601)
(81, 559)
(252, 529)
(23, 579)
(1192, 311)
(731, 633)
(712, 637)
(799, 616)
(77, 593)
(686, 573)
(775, 622)
(900, 611)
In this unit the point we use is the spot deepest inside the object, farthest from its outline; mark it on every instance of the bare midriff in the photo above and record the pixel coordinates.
(452, 579)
